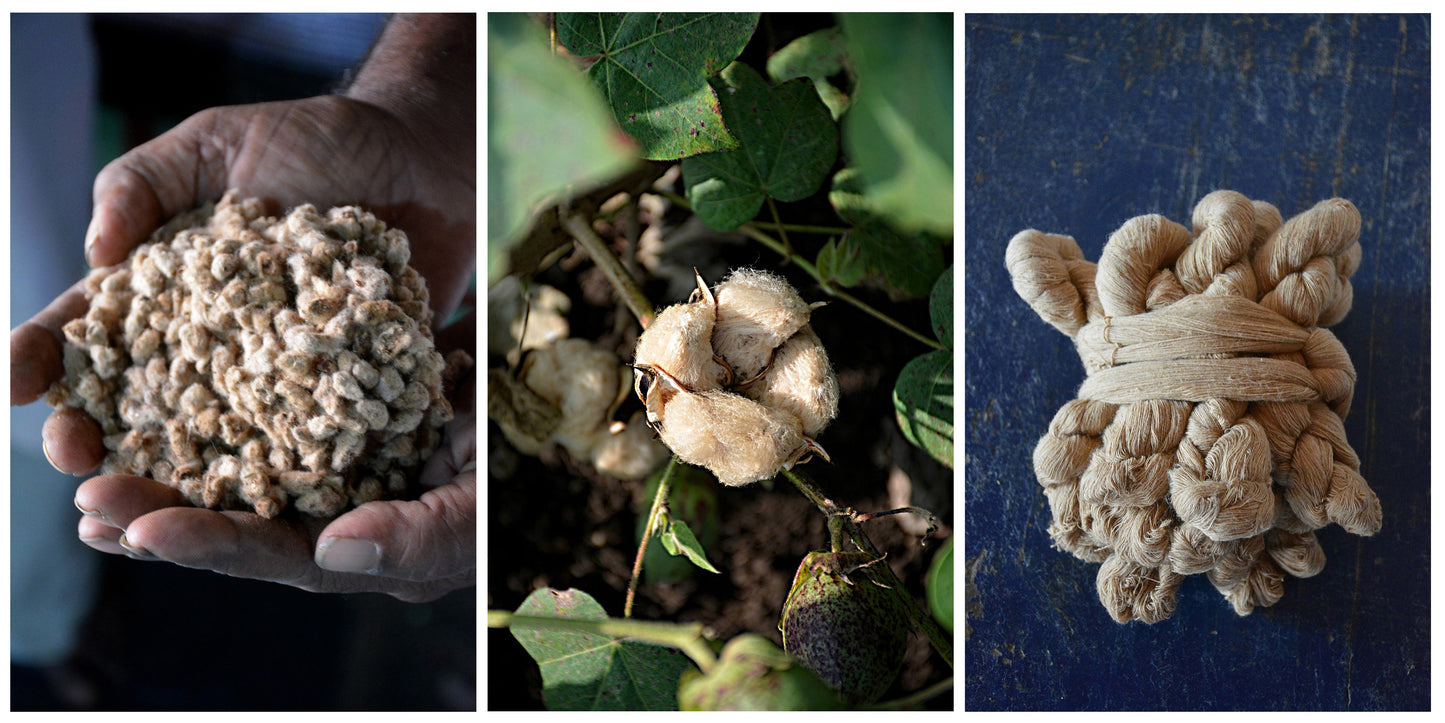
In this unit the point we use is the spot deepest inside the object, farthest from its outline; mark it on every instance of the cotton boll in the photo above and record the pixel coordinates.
(679, 340)
(737, 439)
(756, 312)
(566, 392)
(629, 453)
(582, 381)
(800, 382)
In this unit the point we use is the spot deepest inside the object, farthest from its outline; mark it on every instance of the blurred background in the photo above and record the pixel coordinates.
(93, 631)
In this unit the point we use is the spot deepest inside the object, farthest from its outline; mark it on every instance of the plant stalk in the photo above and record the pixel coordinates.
(783, 234)
(602, 255)
(803, 228)
(757, 235)
(907, 702)
(940, 640)
(687, 637)
(664, 488)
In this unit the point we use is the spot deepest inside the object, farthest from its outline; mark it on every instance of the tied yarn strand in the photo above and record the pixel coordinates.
(1207, 436)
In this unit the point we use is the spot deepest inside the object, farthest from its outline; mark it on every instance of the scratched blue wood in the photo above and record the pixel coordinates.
(1074, 124)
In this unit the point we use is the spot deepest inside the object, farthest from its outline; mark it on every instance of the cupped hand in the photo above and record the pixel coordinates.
(414, 550)
(328, 150)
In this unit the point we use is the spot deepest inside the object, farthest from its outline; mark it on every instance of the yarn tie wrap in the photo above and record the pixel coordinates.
(1208, 434)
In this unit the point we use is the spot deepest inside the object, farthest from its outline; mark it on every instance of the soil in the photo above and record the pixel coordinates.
(553, 521)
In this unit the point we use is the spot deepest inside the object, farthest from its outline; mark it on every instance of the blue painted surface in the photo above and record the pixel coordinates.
(1075, 124)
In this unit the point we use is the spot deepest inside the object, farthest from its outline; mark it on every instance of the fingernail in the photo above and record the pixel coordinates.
(45, 447)
(92, 234)
(348, 554)
(135, 550)
(97, 514)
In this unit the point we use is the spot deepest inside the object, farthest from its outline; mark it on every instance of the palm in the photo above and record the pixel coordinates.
(328, 151)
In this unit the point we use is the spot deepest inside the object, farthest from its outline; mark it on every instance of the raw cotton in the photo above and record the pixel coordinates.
(1207, 436)
(737, 381)
(567, 391)
(254, 362)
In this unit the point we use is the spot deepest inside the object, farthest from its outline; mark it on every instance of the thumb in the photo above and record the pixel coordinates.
(137, 192)
(431, 538)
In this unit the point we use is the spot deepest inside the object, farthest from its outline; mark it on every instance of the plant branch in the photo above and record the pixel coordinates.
(690, 638)
(664, 488)
(627, 288)
(757, 235)
(783, 234)
(907, 702)
(803, 228)
(940, 640)
(753, 231)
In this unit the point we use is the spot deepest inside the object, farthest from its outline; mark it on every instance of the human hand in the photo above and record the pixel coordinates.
(385, 146)
(413, 550)
(326, 150)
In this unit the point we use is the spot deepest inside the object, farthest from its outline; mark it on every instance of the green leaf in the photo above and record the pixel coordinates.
(841, 263)
(585, 671)
(816, 56)
(940, 308)
(547, 129)
(788, 144)
(909, 263)
(754, 674)
(938, 586)
(899, 131)
(653, 69)
(923, 401)
(679, 540)
(693, 498)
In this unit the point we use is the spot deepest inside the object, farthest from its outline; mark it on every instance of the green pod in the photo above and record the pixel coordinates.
(845, 626)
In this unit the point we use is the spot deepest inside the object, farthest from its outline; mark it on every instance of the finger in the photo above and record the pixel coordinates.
(432, 538)
(137, 192)
(72, 441)
(458, 453)
(100, 536)
(36, 349)
(116, 500)
(240, 544)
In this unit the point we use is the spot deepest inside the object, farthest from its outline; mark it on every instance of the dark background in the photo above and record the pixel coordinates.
(162, 637)
(1075, 124)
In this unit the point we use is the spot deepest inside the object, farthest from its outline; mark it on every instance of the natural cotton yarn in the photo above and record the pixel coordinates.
(1207, 436)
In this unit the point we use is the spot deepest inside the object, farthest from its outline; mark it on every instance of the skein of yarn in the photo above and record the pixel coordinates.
(1207, 436)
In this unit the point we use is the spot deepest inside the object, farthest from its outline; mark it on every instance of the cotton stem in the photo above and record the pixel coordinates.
(690, 638)
(940, 640)
(602, 255)
(659, 500)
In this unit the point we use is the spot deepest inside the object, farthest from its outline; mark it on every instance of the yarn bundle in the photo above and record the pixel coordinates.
(1208, 435)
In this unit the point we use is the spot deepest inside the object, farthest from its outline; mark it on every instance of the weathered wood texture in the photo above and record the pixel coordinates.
(1074, 124)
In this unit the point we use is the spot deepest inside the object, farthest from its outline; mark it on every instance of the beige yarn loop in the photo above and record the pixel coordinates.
(1207, 436)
